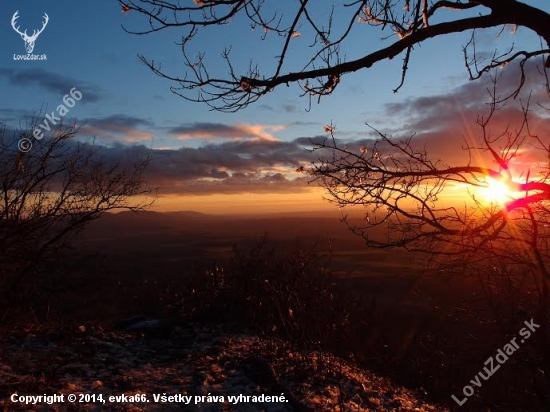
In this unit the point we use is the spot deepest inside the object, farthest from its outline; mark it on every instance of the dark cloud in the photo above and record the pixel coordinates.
(52, 82)
(236, 156)
(250, 183)
(118, 127)
(15, 115)
(471, 97)
(231, 167)
(259, 166)
(266, 107)
(445, 124)
(301, 123)
(19, 121)
(205, 130)
(118, 122)
(228, 168)
(289, 108)
(313, 141)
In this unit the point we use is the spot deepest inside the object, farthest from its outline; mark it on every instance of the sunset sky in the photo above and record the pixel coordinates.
(240, 162)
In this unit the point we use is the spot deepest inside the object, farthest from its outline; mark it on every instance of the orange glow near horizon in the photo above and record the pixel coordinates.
(495, 193)
(245, 203)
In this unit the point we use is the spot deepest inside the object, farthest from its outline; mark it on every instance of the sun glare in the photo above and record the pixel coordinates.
(495, 192)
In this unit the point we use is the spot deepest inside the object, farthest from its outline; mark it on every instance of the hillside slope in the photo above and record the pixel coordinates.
(152, 357)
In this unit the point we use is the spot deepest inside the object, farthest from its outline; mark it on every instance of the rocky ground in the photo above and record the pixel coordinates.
(153, 357)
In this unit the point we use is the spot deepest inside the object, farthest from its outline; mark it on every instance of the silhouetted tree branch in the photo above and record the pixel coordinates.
(403, 189)
(412, 22)
(403, 195)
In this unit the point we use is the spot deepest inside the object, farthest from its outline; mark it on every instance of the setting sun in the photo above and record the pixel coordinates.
(495, 191)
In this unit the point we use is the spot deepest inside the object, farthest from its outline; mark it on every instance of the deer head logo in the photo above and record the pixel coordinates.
(29, 40)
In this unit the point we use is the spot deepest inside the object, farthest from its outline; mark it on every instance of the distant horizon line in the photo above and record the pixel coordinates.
(242, 213)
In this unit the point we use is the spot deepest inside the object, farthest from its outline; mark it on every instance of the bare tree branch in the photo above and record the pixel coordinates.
(324, 70)
(401, 189)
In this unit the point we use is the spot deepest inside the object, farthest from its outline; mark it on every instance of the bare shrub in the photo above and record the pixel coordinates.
(290, 294)
(48, 196)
